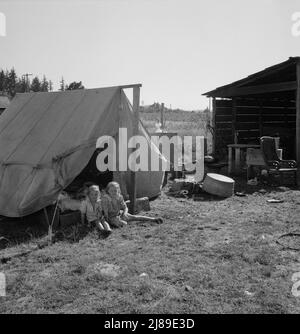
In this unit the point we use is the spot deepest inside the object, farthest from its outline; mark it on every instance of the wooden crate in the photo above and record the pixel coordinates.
(69, 218)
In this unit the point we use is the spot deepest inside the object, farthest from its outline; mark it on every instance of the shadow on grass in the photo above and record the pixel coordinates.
(242, 186)
(14, 231)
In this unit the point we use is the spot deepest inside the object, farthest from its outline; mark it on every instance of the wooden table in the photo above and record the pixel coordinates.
(234, 159)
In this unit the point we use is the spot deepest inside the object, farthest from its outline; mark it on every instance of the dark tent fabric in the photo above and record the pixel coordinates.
(46, 140)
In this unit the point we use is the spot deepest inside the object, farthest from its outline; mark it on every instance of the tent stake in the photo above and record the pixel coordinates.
(50, 226)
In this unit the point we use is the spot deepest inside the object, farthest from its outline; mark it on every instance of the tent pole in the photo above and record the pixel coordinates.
(135, 107)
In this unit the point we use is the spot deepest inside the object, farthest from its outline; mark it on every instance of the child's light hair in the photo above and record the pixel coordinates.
(93, 187)
(113, 184)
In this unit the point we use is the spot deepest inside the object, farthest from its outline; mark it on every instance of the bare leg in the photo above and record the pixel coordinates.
(130, 217)
(117, 222)
(99, 226)
(102, 227)
(106, 226)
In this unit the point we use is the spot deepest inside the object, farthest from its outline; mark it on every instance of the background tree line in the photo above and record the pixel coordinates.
(11, 83)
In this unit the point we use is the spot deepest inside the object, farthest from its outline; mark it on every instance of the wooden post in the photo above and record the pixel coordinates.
(234, 131)
(214, 109)
(162, 121)
(298, 120)
(261, 128)
(237, 160)
(229, 160)
(135, 107)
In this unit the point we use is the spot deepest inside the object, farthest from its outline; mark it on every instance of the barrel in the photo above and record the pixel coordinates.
(219, 185)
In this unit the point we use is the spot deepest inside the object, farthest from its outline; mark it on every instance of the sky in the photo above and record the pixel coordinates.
(177, 49)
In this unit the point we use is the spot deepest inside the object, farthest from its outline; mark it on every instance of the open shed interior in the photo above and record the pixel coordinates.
(245, 120)
(262, 104)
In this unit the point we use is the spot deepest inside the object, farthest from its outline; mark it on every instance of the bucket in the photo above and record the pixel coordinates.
(219, 185)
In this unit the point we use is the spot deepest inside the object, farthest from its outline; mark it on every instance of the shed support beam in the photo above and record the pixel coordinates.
(234, 132)
(298, 121)
(213, 121)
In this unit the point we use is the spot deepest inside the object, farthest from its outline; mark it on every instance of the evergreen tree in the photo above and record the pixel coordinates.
(21, 86)
(75, 85)
(44, 84)
(2, 81)
(11, 79)
(35, 85)
(11, 84)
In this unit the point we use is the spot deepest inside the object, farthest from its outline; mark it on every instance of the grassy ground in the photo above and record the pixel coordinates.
(212, 256)
(209, 256)
(183, 123)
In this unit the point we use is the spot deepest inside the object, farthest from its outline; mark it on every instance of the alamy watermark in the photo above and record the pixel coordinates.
(2, 25)
(2, 285)
(159, 153)
(296, 24)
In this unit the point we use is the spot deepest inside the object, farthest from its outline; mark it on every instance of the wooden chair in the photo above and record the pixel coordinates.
(274, 165)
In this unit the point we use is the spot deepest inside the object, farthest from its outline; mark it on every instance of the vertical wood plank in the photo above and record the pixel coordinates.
(298, 120)
(234, 131)
(135, 107)
(261, 129)
(286, 111)
(237, 163)
(230, 160)
(213, 121)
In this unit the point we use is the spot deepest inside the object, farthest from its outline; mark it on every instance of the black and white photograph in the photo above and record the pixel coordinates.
(149, 159)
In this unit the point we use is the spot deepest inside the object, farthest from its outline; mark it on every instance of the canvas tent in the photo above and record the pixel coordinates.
(4, 103)
(47, 139)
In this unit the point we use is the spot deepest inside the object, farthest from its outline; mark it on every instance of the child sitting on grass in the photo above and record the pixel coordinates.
(91, 210)
(115, 209)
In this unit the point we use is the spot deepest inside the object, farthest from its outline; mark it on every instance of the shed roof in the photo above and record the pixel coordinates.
(277, 78)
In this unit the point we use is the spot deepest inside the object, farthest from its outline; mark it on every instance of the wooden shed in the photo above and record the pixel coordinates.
(264, 103)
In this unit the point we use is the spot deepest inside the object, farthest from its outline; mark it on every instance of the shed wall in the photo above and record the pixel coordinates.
(246, 120)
